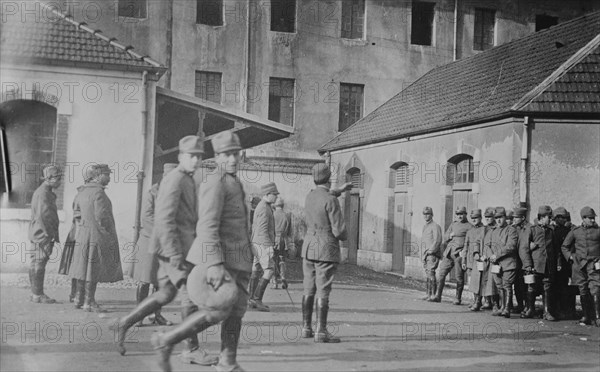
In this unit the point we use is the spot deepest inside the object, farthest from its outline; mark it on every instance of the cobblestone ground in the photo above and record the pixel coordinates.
(383, 324)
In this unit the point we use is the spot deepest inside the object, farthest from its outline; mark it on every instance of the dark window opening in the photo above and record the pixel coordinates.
(208, 86)
(281, 100)
(544, 21)
(483, 33)
(353, 19)
(283, 15)
(132, 8)
(209, 12)
(422, 23)
(351, 105)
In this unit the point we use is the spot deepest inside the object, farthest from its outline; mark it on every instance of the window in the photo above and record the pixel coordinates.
(460, 169)
(209, 12)
(281, 100)
(132, 8)
(483, 34)
(283, 15)
(543, 21)
(402, 175)
(208, 86)
(351, 104)
(422, 23)
(353, 19)
(354, 176)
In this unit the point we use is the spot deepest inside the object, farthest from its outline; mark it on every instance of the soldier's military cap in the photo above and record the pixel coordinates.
(321, 173)
(269, 188)
(428, 210)
(191, 145)
(520, 212)
(167, 167)
(102, 169)
(545, 210)
(560, 211)
(218, 304)
(500, 212)
(489, 212)
(461, 210)
(475, 213)
(510, 215)
(226, 141)
(587, 212)
(51, 171)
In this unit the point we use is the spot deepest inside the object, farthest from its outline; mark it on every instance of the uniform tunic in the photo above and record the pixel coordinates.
(583, 245)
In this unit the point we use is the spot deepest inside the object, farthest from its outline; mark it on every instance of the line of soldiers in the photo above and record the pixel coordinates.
(509, 255)
(196, 243)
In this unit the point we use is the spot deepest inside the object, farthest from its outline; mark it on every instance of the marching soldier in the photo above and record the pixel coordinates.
(431, 242)
(263, 243)
(503, 245)
(283, 227)
(145, 266)
(473, 241)
(540, 257)
(175, 218)
(581, 247)
(564, 292)
(523, 228)
(96, 258)
(222, 254)
(455, 241)
(43, 231)
(320, 252)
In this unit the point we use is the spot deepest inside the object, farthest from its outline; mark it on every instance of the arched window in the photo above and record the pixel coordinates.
(355, 176)
(460, 169)
(30, 131)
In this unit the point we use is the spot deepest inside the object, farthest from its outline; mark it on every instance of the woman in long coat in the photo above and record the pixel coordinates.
(96, 258)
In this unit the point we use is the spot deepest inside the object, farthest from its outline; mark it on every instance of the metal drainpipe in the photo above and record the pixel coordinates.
(455, 30)
(523, 184)
(140, 176)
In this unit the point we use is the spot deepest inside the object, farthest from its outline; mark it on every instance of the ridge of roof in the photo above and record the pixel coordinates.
(557, 74)
(99, 35)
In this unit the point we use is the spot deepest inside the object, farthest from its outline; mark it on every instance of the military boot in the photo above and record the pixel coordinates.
(597, 309)
(585, 306)
(89, 302)
(73, 290)
(477, 303)
(508, 304)
(496, 300)
(459, 291)
(548, 303)
(230, 336)
(529, 311)
(307, 311)
(122, 325)
(79, 294)
(252, 284)
(427, 290)
(164, 342)
(439, 291)
(487, 303)
(258, 295)
(322, 335)
(192, 353)
(140, 294)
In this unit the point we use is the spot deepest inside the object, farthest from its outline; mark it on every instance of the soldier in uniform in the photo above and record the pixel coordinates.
(222, 254)
(472, 243)
(487, 287)
(564, 293)
(145, 265)
(523, 228)
(539, 255)
(283, 227)
(503, 245)
(581, 247)
(175, 218)
(454, 238)
(43, 231)
(263, 243)
(431, 241)
(97, 258)
(320, 252)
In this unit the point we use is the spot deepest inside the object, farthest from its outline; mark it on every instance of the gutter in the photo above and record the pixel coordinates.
(140, 176)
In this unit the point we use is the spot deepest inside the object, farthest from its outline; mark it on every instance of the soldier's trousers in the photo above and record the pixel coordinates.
(448, 264)
(586, 277)
(318, 277)
(37, 270)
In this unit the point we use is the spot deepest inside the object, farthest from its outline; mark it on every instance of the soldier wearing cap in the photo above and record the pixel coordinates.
(145, 264)
(263, 244)
(222, 254)
(97, 258)
(431, 241)
(523, 229)
(565, 293)
(581, 247)
(487, 288)
(320, 252)
(539, 255)
(175, 217)
(473, 241)
(503, 245)
(454, 238)
(283, 228)
(43, 231)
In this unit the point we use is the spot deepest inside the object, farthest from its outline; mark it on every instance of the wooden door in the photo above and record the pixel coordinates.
(353, 226)
(400, 231)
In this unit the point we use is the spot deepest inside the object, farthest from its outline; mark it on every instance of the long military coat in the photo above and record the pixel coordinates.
(145, 263)
(325, 226)
(96, 257)
(543, 257)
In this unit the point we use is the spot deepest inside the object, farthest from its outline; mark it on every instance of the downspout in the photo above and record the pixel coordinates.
(455, 51)
(140, 176)
(523, 182)
(248, 54)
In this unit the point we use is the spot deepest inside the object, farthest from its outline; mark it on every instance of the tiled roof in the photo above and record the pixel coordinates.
(488, 85)
(58, 39)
